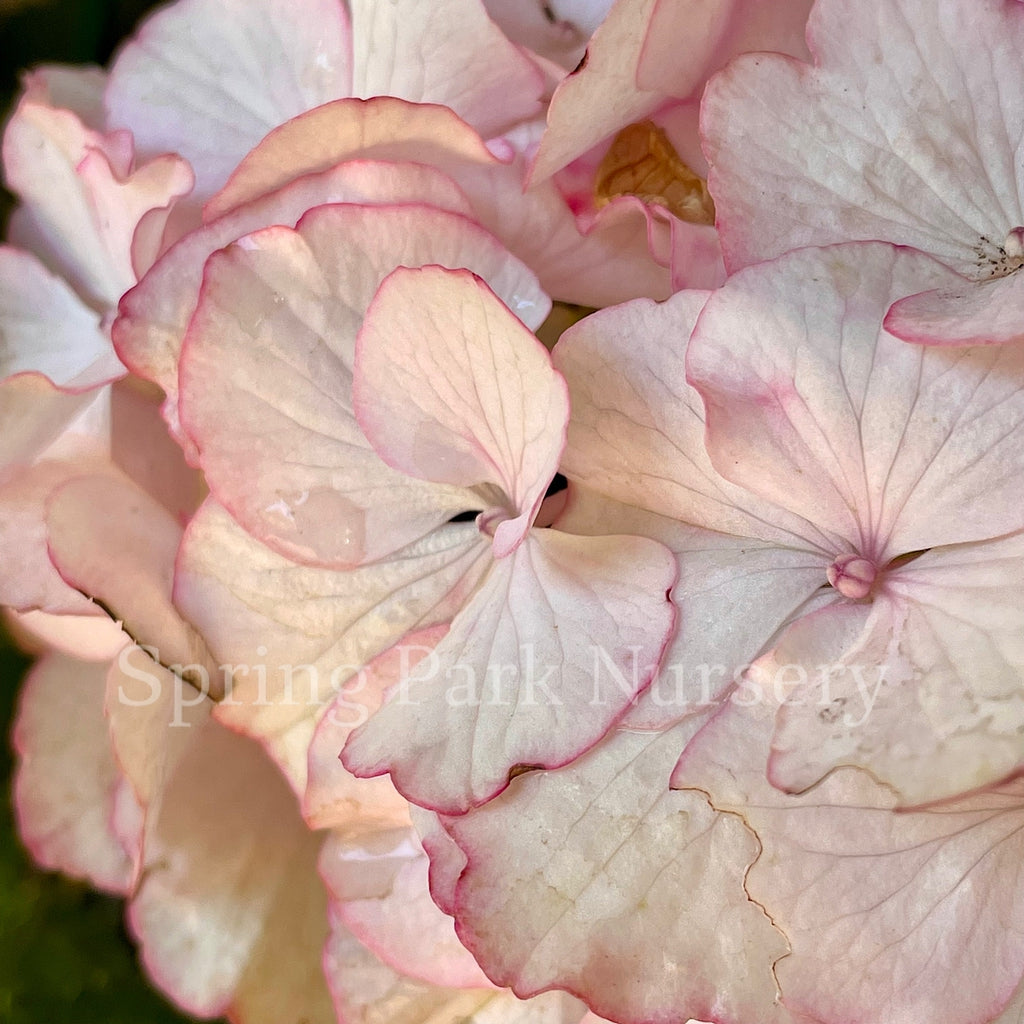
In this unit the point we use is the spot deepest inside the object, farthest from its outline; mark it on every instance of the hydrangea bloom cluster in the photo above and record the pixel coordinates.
(407, 655)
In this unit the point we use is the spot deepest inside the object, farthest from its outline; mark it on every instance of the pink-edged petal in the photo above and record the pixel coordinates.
(66, 777)
(29, 579)
(972, 313)
(447, 861)
(447, 52)
(154, 315)
(921, 687)
(229, 911)
(273, 341)
(380, 892)
(296, 634)
(380, 128)
(647, 53)
(84, 196)
(601, 96)
(599, 880)
(46, 329)
(334, 798)
(900, 917)
(928, 157)
(550, 653)
(113, 542)
(733, 595)
(368, 991)
(637, 429)
(450, 387)
(208, 79)
(608, 263)
(889, 447)
(78, 89)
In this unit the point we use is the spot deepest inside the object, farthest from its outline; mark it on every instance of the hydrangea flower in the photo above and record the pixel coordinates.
(907, 130)
(835, 456)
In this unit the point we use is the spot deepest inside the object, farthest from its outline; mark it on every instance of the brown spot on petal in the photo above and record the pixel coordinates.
(642, 163)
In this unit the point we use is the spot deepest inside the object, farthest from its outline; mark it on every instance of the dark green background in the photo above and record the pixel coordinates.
(64, 954)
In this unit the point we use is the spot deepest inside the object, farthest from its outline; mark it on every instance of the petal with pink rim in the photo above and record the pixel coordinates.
(922, 687)
(636, 434)
(266, 378)
(447, 52)
(601, 95)
(208, 78)
(153, 316)
(84, 195)
(334, 798)
(610, 262)
(733, 593)
(113, 542)
(599, 880)
(450, 387)
(382, 128)
(30, 580)
(66, 777)
(929, 158)
(292, 635)
(897, 917)
(379, 890)
(647, 53)
(552, 650)
(229, 911)
(990, 313)
(887, 447)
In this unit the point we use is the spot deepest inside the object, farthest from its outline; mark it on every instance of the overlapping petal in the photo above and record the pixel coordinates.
(298, 633)
(637, 428)
(929, 137)
(922, 687)
(895, 917)
(645, 54)
(154, 315)
(209, 79)
(229, 892)
(597, 879)
(266, 378)
(380, 892)
(450, 387)
(368, 991)
(888, 447)
(551, 651)
(610, 262)
(66, 779)
(84, 195)
(447, 52)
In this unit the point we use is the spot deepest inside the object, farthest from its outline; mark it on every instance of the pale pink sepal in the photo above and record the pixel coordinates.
(208, 79)
(560, 639)
(450, 387)
(66, 778)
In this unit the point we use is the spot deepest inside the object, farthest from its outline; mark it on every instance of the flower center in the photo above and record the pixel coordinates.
(1002, 260)
(643, 163)
(488, 522)
(853, 576)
